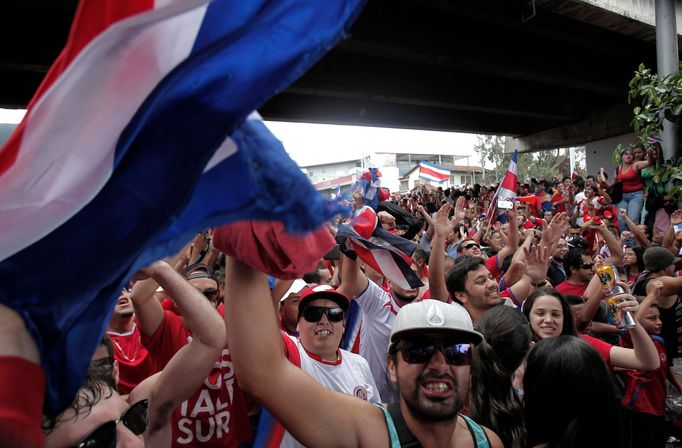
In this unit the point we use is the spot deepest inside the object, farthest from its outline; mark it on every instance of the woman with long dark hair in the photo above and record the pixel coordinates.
(549, 315)
(633, 262)
(493, 402)
(569, 397)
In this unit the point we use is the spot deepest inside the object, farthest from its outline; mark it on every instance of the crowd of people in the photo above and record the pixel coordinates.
(507, 334)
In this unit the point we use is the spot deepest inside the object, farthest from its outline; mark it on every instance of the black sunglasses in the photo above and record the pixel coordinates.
(586, 266)
(419, 351)
(211, 294)
(314, 313)
(107, 362)
(471, 245)
(134, 418)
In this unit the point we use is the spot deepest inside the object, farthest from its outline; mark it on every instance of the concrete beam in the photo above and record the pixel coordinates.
(598, 125)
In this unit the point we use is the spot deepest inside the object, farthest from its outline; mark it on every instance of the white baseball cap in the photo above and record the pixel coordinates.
(296, 287)
(433, 316)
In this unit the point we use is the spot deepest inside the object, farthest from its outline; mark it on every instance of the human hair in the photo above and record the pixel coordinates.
(97, 385)
(594, 188)
(569, 396)
(421, 254)
(493, 401)
(639, 254)
(568, 327)
(457, 276)
(573, 259)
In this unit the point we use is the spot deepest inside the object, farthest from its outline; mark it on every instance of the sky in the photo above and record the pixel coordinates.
(312, 144)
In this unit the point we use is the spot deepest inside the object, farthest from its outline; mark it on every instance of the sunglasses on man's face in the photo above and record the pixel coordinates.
(211, 294)
(134, 418)
(471, 246)
(419, 351)
(315, 313)
(587, 266)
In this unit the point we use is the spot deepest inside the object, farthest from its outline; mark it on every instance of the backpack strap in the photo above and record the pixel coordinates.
(394, 441)
(477, 432)
(407, 439)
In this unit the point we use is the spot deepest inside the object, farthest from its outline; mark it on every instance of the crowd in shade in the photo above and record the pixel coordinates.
(439, 317)
(540, 313)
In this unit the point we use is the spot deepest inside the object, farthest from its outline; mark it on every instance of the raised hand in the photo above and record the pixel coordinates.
(441, 225)
(537, 260)
(676, 217)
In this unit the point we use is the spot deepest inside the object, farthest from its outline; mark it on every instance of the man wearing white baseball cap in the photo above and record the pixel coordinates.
(288, 307)
(428, 358)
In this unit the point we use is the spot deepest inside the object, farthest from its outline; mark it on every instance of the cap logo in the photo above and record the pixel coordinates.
(435, 317)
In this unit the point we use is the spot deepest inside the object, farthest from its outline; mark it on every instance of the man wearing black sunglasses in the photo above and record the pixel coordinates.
(579, 270)
(429, 360)
(321, 312)
(100, 417)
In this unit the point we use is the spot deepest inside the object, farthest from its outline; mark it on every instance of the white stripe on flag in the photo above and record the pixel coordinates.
(51, 180)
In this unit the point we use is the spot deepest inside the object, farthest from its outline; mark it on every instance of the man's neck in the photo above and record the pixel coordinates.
(121, 324)
(436, 434)
(576, 281)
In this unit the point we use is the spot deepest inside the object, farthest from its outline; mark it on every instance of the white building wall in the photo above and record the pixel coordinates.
(599, 153)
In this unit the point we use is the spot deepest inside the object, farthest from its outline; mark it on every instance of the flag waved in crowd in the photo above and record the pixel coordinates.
(137, 139)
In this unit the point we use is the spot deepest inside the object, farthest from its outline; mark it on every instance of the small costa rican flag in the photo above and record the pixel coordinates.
(433, 173)
(508, 186)
(384, 252)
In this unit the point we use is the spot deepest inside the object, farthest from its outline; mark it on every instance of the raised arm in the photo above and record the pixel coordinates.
(148, 310)
(632, 227)
(190, 366)
(442, 229)
(512, 239)
(669, 237)
(22, 388)
(353, 280)
(643, 354)
(330, 418)
(613, 244)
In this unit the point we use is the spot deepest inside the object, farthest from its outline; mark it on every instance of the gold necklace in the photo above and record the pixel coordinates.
(120, 349)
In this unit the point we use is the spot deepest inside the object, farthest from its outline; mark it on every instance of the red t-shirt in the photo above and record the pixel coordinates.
(134, 362)
(604, 348)
(569, 288)
(216, 414)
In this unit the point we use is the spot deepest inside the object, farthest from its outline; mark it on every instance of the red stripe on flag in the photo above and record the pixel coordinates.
(92, 17)
(430, 172)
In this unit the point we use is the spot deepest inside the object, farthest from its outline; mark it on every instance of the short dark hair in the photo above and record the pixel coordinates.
(573, 259)
(98, 385)
(457, 276)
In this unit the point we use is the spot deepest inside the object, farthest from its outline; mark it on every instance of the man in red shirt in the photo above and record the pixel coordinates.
(216, 415)
(134, 362)
(578, 266)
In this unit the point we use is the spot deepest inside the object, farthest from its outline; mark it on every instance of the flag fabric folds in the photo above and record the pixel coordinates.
(136, 140)
(384, 252)
(433, 173)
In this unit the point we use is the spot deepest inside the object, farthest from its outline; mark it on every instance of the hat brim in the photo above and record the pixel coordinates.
(337, 297)
(473, 337)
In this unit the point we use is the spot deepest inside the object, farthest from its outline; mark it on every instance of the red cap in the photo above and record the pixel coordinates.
(314, 292)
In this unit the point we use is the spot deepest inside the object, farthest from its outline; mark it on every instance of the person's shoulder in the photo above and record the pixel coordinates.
(493, 438)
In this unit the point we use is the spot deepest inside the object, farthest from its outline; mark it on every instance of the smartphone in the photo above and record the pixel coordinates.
(678, 228)
(507, 205)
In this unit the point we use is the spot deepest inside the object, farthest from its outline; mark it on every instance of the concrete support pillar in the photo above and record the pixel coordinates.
(667, 62)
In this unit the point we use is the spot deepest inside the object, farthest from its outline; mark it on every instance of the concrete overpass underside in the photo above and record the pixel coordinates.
(551, 72)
